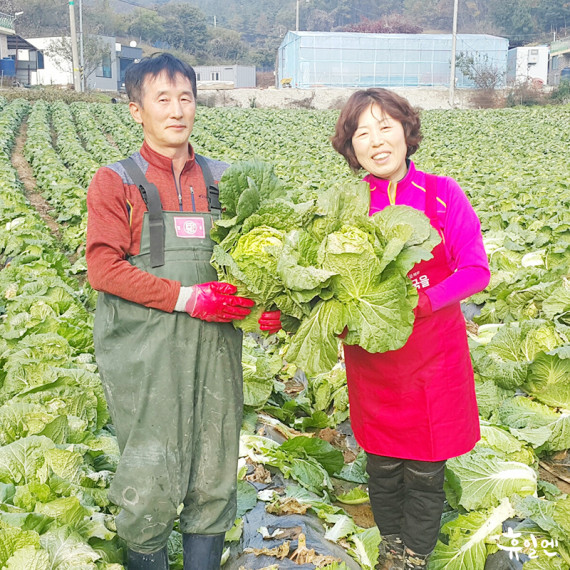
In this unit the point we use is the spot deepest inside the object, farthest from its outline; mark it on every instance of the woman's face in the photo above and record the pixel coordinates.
(380, 144)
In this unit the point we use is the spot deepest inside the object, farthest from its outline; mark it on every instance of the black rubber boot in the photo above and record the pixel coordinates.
(394, 557)
(202, 551)
(145, 561)
(415, 561)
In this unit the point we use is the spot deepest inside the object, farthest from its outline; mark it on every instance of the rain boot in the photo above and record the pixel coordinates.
(202, 551)
(148, 561)
(394, 559)
(414, 561)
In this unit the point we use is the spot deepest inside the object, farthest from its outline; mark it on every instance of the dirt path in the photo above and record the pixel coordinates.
(25, 174)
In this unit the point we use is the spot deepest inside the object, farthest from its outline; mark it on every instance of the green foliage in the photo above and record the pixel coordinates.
(561, 94)
(55, 459)
(331, 267)
(59, 453)
(515, 18)
(51, 94)
(226, 46)
(553, 14)
(184, 27)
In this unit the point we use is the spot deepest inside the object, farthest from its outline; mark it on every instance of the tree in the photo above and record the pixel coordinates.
(40, 17)
(147, 25)
(392, 24)
(320, 21)
(554, 14)
(514, 18)
(227, 46)
(430, 14)
(185, 28)
(102, 19)
(95, 53)
(480, 70)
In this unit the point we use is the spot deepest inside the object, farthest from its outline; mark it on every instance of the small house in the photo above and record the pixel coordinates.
(528, 64)
(238, 75)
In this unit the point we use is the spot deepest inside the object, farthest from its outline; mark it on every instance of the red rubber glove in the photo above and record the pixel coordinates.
(270, 321)
(215, 302)
(423, 308)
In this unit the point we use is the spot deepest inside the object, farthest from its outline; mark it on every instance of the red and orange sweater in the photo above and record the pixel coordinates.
(115, 214)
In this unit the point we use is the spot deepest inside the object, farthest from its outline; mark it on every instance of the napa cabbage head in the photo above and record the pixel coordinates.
(252, 267)
(263, 241)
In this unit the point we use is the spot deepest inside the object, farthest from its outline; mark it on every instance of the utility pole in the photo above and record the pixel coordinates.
(297, 18)
(75, 57)
(453, 50)
(81, 55)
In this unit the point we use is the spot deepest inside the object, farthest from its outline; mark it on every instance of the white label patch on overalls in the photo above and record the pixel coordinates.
(189, 227)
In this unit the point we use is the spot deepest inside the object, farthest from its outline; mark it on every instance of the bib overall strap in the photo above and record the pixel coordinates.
(211, 186)
(149, 193)
(431, 200)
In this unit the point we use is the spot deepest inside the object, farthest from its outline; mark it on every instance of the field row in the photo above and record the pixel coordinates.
(58, 452)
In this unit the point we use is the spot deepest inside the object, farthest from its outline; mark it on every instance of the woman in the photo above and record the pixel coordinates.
(413, 408)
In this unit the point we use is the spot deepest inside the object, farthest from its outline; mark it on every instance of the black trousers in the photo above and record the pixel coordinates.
(407, 499)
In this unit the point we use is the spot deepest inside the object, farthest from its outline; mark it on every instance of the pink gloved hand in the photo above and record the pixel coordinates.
(215, 302)
(423, 308)
(270, 321)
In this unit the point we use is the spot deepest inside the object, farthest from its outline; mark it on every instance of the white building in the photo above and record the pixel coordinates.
(559, 62)
(106, 75)
(528, 65)
(238, 75)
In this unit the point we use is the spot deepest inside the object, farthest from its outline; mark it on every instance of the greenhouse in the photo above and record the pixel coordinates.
(340, 59)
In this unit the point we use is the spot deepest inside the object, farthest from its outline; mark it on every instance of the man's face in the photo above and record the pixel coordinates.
(166, 113)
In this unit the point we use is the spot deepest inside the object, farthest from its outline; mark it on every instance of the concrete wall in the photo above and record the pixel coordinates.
(324, 98)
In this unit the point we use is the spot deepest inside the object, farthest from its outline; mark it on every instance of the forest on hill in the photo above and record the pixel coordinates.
(249, 32)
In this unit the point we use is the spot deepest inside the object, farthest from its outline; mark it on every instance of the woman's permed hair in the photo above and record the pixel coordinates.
(390, 103)
(152, 66)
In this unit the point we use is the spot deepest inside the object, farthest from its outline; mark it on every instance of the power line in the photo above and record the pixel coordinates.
(137, 5)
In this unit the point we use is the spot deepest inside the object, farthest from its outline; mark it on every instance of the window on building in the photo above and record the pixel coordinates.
(215, 76)
(198, 77)
(40, 60)
(104, 70)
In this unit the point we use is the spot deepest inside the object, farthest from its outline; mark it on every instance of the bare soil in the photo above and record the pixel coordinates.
(556, 470)
(25, 174)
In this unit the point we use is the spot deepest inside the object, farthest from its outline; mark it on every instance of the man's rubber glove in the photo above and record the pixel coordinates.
(270, 321)
(216, 302)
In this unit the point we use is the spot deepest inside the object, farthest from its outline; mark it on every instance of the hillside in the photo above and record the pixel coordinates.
(236, 31)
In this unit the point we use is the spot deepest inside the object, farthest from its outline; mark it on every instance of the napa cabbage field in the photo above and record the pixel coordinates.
(506, 500)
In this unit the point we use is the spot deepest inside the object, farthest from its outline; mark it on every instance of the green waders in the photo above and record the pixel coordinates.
(174, 389)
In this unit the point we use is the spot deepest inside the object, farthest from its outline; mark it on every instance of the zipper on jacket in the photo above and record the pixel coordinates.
(392, 193)
(178, 191)
(192, 196)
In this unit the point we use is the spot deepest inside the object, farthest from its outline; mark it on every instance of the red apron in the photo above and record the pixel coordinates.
(417, 402)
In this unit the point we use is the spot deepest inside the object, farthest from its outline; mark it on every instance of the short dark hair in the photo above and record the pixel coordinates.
(153, 66)
(390, 103)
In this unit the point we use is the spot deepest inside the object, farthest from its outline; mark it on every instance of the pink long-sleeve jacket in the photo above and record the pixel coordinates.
(459, 226)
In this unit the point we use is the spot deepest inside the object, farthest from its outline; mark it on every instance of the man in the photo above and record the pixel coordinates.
(168, 355)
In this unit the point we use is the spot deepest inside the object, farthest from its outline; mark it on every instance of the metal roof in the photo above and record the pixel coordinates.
(18, 42)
